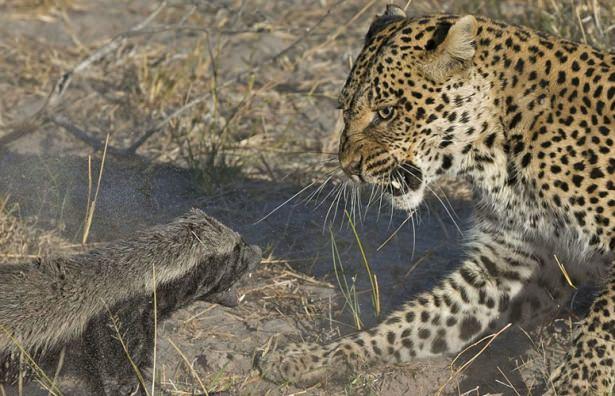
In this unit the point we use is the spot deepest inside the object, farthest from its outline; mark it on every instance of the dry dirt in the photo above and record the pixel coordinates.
(237, 100)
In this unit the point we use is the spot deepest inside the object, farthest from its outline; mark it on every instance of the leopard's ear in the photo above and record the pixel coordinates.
(455, 53)
(392, 13)
(393, 10)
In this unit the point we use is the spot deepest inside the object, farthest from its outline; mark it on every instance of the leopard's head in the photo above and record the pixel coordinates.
(410, 104)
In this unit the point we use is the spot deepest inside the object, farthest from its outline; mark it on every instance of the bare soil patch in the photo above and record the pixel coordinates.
(229, 106)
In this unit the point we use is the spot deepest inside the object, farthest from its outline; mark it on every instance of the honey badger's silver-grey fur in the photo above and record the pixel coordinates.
(52, 302)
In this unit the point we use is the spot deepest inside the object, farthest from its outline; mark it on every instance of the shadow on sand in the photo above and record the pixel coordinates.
(135, 194)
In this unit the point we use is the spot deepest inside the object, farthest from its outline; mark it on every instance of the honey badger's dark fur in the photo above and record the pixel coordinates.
(60, 301)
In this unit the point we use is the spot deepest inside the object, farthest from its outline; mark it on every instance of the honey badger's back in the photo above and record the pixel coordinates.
(51, 302)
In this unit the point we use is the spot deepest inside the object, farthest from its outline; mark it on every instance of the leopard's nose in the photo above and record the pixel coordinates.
(351, 165)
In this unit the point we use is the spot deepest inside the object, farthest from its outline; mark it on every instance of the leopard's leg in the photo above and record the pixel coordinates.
(589, 367)
(485, 289)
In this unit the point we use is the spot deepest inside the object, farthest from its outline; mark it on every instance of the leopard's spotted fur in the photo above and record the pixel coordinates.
(529, 120)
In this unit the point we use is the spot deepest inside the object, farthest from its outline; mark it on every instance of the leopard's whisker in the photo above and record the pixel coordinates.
(380, 203)
(339, 200)
(334, 203)
(316, 192)
(371, 197)
(353, 197)
(390, 237)
(324, 199)
(413, 235)
(346, 199)
(392, 203)
(285, 202)
(359, 203)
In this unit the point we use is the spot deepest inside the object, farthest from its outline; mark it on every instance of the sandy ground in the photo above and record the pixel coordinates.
(264, 76)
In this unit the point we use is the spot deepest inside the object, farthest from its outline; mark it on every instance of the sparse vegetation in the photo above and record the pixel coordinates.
(242, 95)
(349, 291)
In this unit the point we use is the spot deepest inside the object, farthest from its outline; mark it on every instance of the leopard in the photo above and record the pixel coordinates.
(527, 119)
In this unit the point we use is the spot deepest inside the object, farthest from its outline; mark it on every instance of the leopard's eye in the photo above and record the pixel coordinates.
(386, 112)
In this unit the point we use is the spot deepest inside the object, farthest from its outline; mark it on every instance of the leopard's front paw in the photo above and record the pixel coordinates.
(296, 363)
(307, 364)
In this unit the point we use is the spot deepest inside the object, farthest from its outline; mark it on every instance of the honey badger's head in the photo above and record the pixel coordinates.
(213, 279)
(243, 259)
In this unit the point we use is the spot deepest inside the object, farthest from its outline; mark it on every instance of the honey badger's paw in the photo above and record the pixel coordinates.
(308, 363)
(587, 370)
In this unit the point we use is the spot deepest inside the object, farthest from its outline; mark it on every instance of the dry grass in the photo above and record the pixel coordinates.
(234, 90)
(21, 240)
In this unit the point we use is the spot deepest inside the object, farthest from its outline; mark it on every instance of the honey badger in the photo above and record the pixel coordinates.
(66, 301)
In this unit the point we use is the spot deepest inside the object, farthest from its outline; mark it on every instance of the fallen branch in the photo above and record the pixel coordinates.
(34, 121)
(85, 137)
(98, 145)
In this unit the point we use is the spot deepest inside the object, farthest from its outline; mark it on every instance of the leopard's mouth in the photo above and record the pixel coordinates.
(404, 179)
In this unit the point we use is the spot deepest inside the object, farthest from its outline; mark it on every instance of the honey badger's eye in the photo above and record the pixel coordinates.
(386, 112)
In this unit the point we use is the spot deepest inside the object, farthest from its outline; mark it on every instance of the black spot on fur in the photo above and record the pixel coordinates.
(438, 36)
(468, 327)
(439, 345)
(447, 162)
(410, 316)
